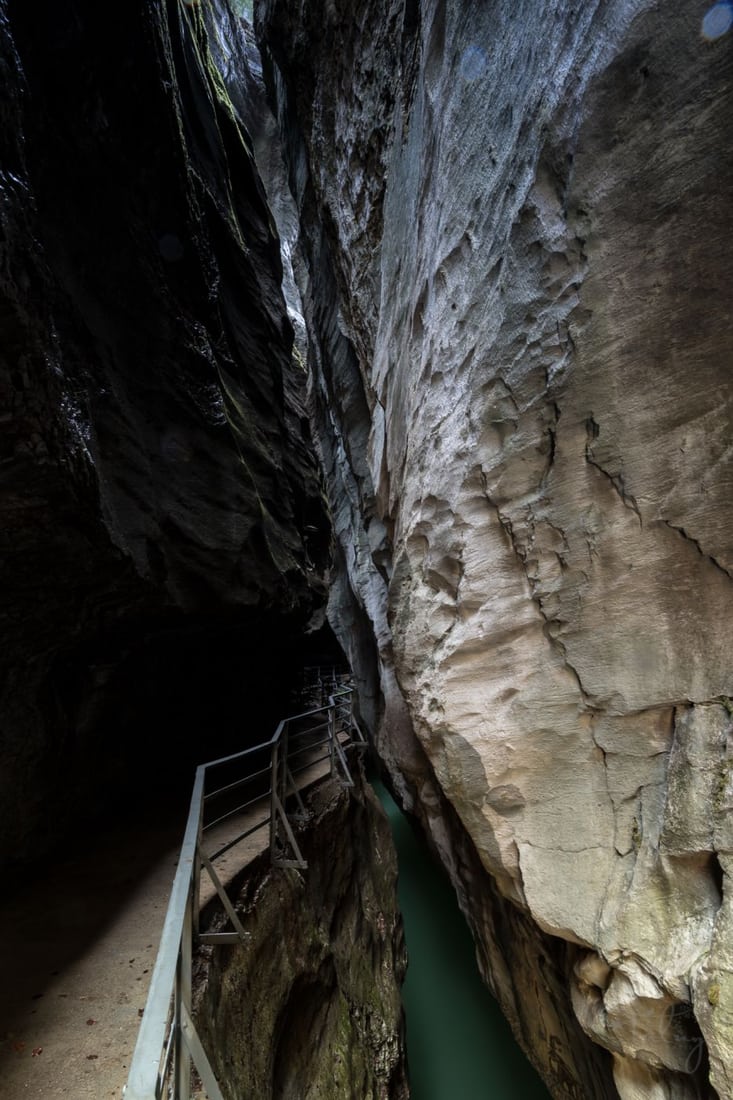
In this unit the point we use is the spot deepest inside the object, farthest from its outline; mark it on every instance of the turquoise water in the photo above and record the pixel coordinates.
(459, 1045)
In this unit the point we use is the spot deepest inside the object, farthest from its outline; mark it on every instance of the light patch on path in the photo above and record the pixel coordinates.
(78, 946)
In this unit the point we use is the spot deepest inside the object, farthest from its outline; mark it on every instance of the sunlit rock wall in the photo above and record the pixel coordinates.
(163, 532)
(517, 219)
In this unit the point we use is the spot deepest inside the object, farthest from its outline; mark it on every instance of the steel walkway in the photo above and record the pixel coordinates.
(233, 798)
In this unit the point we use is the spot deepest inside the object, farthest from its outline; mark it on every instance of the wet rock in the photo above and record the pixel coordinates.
(516, 227)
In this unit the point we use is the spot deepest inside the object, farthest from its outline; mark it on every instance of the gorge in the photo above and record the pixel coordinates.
(412, 315)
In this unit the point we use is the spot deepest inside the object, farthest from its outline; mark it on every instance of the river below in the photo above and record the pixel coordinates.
(458, 1043)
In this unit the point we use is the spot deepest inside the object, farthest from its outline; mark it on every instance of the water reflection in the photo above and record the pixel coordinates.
(459, 1044)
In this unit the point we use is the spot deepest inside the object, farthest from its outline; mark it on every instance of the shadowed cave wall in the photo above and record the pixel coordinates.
(164, 534)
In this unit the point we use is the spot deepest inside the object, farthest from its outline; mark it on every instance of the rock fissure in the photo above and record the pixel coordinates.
(551, 626)
(616, 480)
(708, 557)
(604, 757)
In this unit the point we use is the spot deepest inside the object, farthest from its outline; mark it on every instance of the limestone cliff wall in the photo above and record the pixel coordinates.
(517, 221)
(162, 525)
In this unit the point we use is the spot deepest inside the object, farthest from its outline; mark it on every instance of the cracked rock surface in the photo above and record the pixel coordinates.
(516, 220)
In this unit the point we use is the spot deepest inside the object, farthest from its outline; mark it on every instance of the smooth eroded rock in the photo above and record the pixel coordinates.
(516, 221)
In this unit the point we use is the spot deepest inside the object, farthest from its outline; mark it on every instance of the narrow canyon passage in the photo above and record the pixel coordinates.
(409, 321)
(458, 1042)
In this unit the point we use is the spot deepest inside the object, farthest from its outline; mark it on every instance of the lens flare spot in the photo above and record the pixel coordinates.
(718, 20)
(473, 63)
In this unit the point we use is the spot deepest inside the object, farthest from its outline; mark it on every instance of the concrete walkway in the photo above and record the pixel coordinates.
(77, 948)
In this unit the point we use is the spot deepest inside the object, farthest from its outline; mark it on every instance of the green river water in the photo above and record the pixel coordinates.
(459, 1045)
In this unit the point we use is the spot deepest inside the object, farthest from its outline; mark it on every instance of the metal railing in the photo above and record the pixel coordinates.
(256, 788)
(321, 681)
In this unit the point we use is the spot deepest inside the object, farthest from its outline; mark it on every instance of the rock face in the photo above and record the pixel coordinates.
(516, 221)
(163, 530)
(310, 1007)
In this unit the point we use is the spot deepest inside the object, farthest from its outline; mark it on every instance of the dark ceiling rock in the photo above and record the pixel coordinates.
(164, 536)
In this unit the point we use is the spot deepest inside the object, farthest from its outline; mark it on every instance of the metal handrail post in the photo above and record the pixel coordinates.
(274, 773)
(332, 736)
(283, 793)
(143, 1076)
(196, 886)
(182, 1069)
